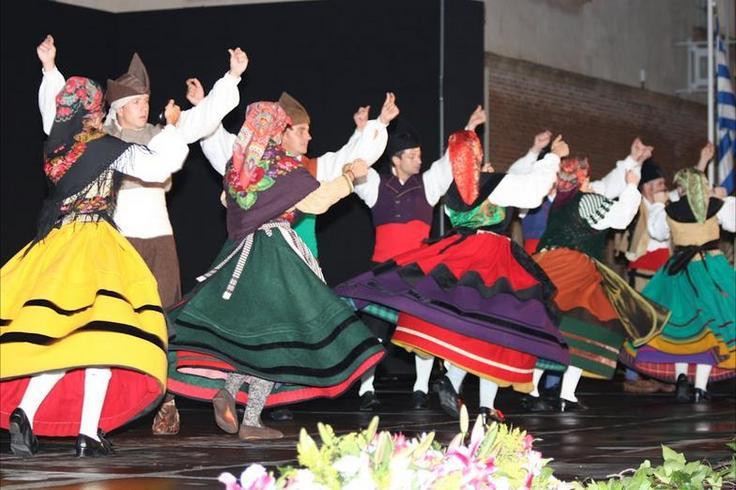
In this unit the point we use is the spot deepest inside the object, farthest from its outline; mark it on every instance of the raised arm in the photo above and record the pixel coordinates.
(367, 142)
(438, 177)
(529, 189)
(621, 212)
(51, 84)
(202, 119)
(164, 155)
(525, 164)
(613, 184)
(218, 148)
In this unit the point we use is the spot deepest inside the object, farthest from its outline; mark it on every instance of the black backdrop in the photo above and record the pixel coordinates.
(331, 55)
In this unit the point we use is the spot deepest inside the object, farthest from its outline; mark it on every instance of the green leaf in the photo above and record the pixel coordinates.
(670, 455)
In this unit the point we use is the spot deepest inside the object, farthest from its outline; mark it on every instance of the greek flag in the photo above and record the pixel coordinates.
(726, 125)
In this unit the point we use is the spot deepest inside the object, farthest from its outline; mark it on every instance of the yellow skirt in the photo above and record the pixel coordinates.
(82, 297)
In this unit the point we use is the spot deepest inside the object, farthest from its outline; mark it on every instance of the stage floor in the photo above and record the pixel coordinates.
(619, 431)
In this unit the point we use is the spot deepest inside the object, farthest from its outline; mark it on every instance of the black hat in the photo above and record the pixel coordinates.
(650, 171)
(402, 137)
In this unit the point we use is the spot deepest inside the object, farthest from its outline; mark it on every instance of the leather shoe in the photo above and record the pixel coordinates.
(369, 401)
(492, 415)
(536, 404)
(167, 421)
(701, 396)
(23, 441)
(682, 389)
(281, 414)
(252, 433)
(86, 447)
(448, 396)
(419, 400)
(569, 406)
(226, 414)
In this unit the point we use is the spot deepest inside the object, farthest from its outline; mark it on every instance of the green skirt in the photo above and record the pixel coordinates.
(282, 323)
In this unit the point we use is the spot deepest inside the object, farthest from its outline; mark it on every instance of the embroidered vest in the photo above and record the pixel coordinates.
(566, 228)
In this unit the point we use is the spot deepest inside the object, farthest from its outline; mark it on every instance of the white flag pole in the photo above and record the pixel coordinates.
(711, 94)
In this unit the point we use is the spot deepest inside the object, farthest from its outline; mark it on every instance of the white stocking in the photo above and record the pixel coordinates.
(424, 370)
(536, 376)
(570, 381)
(456, 376)
(488, 391)
(95, 389)
(680, 368)
(366, 382)
(38, 388)
(702, 373)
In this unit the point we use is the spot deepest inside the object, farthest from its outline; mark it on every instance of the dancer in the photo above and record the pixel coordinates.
(402, 206)
(262, 328)
(474, 298)
(698, 285)
(83, 343)
(598, 309)
(367, 143)
(141, 214)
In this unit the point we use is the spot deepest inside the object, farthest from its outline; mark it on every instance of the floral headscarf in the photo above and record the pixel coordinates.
(247, 171)
(77, 155)
(81, 98)
(466, 154)
(572, 171)
(695, 185)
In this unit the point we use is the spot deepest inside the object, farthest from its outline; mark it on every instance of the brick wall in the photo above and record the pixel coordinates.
(599, 119)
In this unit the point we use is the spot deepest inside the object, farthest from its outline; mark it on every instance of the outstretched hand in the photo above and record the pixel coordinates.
(540, 141)
(358, 168)
(172, 112)
(640, 151)
(390, 110)
(477, 118)
(238, 62)
(559, 147)
(706, 155)
(195, 91)
(633, 177)
(47, 53)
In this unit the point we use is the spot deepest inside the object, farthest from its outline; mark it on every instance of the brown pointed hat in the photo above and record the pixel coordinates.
(133, 82)
(296, 112)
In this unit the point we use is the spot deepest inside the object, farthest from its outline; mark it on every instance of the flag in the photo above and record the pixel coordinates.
(726, 123)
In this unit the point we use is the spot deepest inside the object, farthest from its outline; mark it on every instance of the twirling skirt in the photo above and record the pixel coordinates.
(282, 323)
(476, 300)
(82, 297)
(599, 310)
(702, 328)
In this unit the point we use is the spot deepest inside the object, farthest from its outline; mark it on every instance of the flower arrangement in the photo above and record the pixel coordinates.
(493, 457)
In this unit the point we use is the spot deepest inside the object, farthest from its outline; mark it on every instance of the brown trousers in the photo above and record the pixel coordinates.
(160, 256)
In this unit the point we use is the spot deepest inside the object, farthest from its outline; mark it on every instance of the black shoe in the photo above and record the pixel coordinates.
(568, 406)
(701, 396)
(682, 389)
(281, 414)
(87, 447)
(536, 404)
(369, 402)
(419, 400)
(448, 396)
(23, 441)
(492, 415)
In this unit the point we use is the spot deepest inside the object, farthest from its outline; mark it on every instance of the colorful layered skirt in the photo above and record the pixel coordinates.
(598, 311)
(281, 323)
(475, 300)
(702, 328)
(82, 297)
